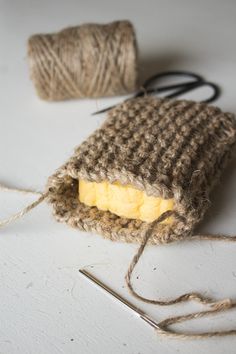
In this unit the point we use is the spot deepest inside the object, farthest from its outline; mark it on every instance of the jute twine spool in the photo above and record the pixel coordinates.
(91, 60)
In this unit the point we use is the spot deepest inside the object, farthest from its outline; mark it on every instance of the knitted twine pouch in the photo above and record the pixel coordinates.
(167, 148)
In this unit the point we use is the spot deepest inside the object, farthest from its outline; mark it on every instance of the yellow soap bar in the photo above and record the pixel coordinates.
(125, 201)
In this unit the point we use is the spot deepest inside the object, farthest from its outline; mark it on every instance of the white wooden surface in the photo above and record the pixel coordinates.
(46, 307)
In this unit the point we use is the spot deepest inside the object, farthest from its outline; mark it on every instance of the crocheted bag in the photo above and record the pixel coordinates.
(169, 148)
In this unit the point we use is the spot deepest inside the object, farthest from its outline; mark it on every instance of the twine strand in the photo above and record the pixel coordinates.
(24, 211)
(209, 237)
(6, 188)
(215, 306)
(220, 306)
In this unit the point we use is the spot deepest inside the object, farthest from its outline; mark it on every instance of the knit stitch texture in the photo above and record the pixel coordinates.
(169, 148)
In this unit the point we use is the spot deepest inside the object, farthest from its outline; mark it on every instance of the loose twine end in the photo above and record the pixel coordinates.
(215, 306)
(24, 211)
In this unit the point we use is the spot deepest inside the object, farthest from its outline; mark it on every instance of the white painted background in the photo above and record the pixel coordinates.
(46, 307)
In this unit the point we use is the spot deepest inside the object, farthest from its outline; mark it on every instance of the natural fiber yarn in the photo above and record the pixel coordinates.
(90, 60)
(168, 148)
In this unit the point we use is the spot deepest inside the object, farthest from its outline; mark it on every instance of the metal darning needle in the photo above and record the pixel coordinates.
(135, 309)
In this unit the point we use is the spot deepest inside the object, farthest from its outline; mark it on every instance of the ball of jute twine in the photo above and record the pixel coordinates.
(213, 306)
(91, 60)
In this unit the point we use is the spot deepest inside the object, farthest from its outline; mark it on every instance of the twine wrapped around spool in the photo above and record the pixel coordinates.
(91, 60)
